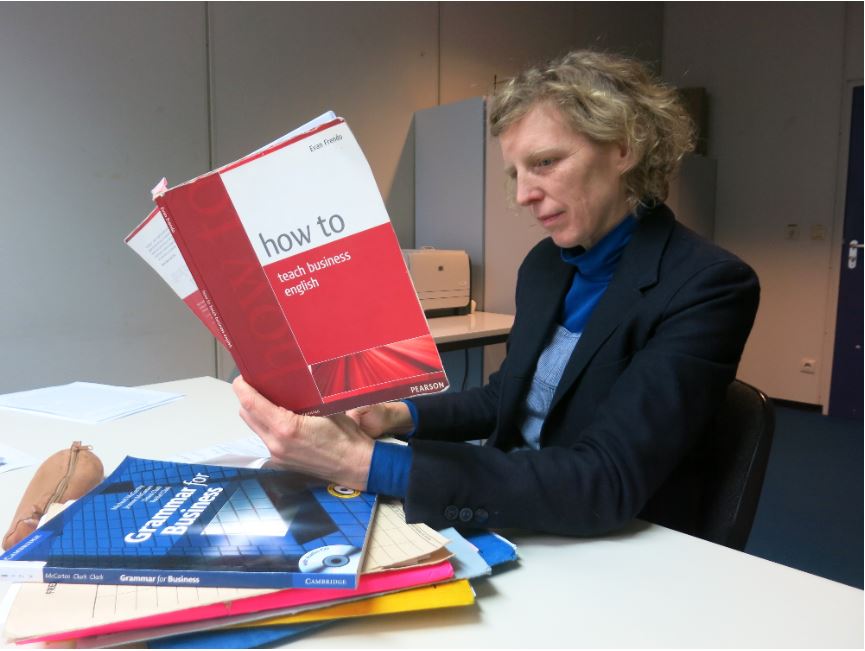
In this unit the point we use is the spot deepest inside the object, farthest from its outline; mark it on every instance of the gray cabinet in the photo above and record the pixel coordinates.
(461, 202)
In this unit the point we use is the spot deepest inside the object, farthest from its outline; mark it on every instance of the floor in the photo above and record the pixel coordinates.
(810, 515)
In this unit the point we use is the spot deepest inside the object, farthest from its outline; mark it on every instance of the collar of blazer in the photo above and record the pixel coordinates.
(638, 270)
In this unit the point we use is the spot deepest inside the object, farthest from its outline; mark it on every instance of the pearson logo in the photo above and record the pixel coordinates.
(426, 388)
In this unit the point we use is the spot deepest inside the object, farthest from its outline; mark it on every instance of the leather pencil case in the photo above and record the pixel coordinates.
(65, 475)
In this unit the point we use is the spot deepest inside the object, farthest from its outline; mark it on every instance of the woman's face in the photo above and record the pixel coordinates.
(572, 185)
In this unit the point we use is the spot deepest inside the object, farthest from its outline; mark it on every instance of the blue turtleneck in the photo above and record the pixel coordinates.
(595, 269)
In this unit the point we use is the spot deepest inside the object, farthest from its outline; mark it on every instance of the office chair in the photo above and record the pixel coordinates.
(734, 465)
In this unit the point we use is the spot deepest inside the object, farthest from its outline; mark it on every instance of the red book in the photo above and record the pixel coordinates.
(296, 268)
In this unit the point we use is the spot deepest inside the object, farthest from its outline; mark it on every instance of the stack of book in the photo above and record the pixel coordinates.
(173, 552)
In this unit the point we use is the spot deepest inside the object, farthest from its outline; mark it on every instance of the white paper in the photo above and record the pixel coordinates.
(86, 402)
(247, 452)
(10, 458)
(5, 607)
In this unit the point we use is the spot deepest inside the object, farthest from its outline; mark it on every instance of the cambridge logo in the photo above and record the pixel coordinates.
(342, 492)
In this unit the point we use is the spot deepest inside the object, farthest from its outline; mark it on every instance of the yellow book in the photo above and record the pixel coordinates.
(442, 595)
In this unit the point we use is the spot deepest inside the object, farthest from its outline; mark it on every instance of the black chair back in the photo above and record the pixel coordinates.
(736, 455)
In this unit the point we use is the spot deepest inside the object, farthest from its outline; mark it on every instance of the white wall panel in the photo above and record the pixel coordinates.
(774, 75)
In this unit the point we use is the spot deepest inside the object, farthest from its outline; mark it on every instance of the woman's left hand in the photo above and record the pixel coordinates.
(332, 448)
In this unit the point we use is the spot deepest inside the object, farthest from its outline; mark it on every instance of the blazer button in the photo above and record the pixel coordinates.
(451, 513)
(466, 515)
(481, 516)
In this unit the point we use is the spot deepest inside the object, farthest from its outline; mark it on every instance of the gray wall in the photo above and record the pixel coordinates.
(100, 100)
(481, 41)
(97, 101)
(777, 77)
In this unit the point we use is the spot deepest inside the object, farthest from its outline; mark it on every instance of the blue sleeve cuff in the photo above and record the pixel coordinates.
(389, 469)
(414, 417)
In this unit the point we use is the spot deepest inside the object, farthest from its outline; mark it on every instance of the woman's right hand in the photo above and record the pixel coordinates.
(382, 418)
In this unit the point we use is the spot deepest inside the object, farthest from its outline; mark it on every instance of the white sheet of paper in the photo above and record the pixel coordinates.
(247, 452)
(10, 458)
(86, 402)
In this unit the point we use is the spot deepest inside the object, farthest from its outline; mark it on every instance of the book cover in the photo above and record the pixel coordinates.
(294, 255)
(158, 523)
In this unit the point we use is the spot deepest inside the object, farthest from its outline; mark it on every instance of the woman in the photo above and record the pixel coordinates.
(628, 329)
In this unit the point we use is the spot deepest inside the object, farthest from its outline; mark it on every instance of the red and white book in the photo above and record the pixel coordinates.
(288, 256)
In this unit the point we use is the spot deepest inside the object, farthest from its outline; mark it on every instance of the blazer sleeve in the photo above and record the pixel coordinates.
(661, 398)
(459, 416)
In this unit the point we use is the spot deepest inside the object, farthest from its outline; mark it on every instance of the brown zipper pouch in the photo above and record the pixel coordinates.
(65, 475)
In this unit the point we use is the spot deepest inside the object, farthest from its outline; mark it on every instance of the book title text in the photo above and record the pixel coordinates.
(158, 521)
(301, 237)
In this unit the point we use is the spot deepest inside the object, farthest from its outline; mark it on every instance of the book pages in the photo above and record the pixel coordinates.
(393, 543)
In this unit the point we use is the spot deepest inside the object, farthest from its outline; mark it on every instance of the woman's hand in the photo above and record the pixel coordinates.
(383, 418)
(333, 448)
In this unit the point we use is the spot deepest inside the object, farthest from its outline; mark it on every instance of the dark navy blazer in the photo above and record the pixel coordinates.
(622, 437)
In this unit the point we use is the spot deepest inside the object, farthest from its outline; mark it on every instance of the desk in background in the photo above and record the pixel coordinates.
(645, 587)
(469, 330)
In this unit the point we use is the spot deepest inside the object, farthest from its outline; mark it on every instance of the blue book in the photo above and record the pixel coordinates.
(493, 548)
(161, 523)
(239, 638)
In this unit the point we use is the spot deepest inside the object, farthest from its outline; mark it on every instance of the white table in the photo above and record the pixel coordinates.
(646, 587)
(469, 330)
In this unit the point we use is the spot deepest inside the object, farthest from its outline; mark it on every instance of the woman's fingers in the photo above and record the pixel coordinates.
(273, 424)
(333, 448)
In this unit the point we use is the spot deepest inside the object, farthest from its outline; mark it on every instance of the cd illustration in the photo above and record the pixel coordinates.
(330, 559)
(342, 492)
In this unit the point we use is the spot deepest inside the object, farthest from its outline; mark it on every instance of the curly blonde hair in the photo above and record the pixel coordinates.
(610, 99)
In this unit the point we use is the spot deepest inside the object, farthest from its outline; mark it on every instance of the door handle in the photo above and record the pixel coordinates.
(853, 253)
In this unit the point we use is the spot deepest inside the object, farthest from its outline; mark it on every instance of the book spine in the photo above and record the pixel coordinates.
(200, 282)
(39, 572)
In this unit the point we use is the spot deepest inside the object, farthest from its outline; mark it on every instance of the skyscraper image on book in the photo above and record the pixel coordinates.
(292, 252)
(161, 523)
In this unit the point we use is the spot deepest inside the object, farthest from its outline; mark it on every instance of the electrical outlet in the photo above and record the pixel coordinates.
(808, 365)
